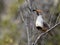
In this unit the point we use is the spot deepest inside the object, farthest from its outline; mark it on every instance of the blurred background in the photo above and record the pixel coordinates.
(17, 21)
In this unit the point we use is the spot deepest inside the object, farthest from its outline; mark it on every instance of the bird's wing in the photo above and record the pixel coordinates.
(46, 25)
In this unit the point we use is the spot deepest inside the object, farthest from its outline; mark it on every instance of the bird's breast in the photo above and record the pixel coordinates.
(39, 21)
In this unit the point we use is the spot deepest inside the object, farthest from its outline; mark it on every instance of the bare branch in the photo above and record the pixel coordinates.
(45, 32)
(57, 18)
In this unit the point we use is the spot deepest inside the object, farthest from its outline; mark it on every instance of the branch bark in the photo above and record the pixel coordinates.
(45, 32)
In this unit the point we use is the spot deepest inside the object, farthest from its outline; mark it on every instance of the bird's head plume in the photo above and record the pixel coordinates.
(38, 11)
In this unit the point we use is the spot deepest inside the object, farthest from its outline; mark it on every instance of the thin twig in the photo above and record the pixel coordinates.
(27, 30)
(57, 18)
(45, 32)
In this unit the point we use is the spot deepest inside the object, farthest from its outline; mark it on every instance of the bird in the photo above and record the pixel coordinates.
(40, 22)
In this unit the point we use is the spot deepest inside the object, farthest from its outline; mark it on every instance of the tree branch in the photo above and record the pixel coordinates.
(57, 18)
(45, 32)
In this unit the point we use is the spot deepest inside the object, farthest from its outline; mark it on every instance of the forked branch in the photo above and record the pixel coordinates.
(45, 32)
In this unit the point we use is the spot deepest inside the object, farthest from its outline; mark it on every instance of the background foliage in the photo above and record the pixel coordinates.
(13, 32)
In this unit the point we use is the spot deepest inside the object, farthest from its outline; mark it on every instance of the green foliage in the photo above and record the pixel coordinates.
(13, 33)
(20, 1)
(5, 23)
(1, 6)
(7, 40)
(49, 43)
(58, 8)
(8, 24)
(14, 7)
(54, 40)
(10, 37)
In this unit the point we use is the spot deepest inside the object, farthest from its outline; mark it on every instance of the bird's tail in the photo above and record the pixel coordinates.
(50, 33)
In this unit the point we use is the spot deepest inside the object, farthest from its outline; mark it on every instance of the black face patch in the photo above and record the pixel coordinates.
(39, 28)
